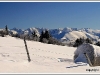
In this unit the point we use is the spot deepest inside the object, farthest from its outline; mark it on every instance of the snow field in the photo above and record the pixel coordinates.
(45, 58)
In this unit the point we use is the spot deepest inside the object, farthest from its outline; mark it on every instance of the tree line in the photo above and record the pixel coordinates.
(80, 41)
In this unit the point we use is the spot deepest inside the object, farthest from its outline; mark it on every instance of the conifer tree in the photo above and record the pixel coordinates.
(6, 29)
(34, 34)
(41, 36)
(88, 41)
(46, 34)
(98, 43)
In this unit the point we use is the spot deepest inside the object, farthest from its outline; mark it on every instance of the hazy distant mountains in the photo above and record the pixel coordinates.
(63, 34)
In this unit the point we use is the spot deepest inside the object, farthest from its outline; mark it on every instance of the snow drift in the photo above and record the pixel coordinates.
(92, 51)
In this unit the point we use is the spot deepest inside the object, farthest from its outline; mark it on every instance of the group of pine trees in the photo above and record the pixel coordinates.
(45, 37)
(80, 41)
(98, 43)
(4, 32)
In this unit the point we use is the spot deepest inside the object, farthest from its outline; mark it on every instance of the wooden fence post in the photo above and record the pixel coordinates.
(88, 59)
(27, 50)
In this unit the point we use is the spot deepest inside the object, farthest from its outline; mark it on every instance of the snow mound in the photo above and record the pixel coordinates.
(92, 51)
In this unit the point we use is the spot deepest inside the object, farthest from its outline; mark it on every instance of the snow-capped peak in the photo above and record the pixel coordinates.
(64, 33)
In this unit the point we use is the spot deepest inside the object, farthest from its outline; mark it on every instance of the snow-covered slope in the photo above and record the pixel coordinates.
(45, 58)
(72, 36)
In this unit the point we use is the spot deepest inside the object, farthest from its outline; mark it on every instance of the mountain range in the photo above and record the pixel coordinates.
(65, 35)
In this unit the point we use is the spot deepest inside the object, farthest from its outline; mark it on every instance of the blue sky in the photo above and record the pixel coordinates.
(50, 14)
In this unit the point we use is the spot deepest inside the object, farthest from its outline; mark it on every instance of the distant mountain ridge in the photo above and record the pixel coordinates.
(63, 34)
